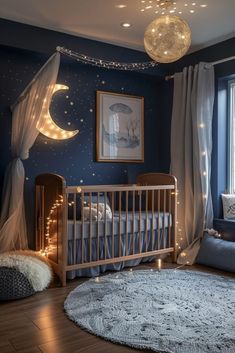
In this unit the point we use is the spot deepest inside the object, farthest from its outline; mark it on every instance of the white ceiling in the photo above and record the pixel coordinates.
(100, 19)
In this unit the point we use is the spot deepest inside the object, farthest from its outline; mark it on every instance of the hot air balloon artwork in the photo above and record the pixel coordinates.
(120, 127)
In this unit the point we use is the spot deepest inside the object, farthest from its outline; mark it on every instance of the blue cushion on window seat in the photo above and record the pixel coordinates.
(217, 253)
(225, 227)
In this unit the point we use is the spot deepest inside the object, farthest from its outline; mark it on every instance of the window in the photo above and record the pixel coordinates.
(231, 136)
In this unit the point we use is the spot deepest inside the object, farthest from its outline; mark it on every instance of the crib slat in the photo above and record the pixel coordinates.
(90, 227)
(82, 219)
(126, 235)
(112, 224)
(169, 218)
(152, 231)
(105, 225)
(74, 228)
(164, 217)
(119, 233)
(158, 221)
(146, 221)
(133, 222)
(140, 206)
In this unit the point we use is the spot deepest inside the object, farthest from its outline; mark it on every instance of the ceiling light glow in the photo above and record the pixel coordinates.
(126, 25)
(161, 33)
(121, 6)
(155, 37)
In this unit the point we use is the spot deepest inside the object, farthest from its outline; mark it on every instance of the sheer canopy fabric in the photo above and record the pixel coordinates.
(28, 115)
(191, 146)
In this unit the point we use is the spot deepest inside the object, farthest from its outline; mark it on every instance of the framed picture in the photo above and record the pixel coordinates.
(119, 127)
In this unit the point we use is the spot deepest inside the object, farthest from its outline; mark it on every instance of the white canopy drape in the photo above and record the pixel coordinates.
(28, 115)
(191, 146)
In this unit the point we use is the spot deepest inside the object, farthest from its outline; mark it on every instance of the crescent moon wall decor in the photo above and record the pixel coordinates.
(50, 128)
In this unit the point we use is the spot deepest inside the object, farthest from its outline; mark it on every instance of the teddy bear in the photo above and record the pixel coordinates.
(103, 209)
(91, 213)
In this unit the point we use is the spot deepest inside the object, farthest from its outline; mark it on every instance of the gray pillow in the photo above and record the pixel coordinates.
(228, 201)
(217, 253)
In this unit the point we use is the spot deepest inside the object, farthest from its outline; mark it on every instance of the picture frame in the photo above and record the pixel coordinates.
(119, 127)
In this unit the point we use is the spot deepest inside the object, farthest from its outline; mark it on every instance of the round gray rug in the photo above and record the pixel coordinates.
(170, 311)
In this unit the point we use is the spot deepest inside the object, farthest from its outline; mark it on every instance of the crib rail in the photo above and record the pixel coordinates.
(87, 226)
(109, 188)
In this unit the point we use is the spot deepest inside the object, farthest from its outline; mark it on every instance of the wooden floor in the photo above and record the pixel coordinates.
(39, 324)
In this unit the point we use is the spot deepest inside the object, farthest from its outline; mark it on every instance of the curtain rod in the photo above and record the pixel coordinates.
(169, 77)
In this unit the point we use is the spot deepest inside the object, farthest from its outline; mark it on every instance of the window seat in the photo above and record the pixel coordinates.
(226, 228)
(217, 253)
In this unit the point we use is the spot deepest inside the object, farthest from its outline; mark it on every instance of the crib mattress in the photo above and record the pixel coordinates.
(122, 224)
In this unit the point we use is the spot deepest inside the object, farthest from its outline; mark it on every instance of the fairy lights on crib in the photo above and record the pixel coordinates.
(49, 223)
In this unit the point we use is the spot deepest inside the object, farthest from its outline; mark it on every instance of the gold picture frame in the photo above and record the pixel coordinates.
(119, 127)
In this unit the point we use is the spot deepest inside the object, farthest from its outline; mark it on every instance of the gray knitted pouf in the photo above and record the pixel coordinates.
(13, 284)
(23, 273)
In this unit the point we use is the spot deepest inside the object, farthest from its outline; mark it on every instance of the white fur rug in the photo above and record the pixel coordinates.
(172, 311)
(33, 266)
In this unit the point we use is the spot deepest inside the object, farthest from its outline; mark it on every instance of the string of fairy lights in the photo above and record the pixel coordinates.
(98, 62)
(204, 173)
(50, 221)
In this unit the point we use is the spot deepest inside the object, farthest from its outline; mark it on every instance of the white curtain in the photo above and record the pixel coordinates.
(191, 146)
(28, 115)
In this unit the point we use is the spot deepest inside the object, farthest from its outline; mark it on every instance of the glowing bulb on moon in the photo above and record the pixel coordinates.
(50, 128)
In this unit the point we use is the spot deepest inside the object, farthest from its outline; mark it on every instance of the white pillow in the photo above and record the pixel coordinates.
(228, 205)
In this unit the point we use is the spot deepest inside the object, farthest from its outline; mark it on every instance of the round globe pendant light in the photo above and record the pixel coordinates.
(167, 38)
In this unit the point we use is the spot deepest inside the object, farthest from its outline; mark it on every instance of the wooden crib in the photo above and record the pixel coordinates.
(80, 227)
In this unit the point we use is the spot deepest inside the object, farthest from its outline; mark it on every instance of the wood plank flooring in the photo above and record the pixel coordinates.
(38, 324)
